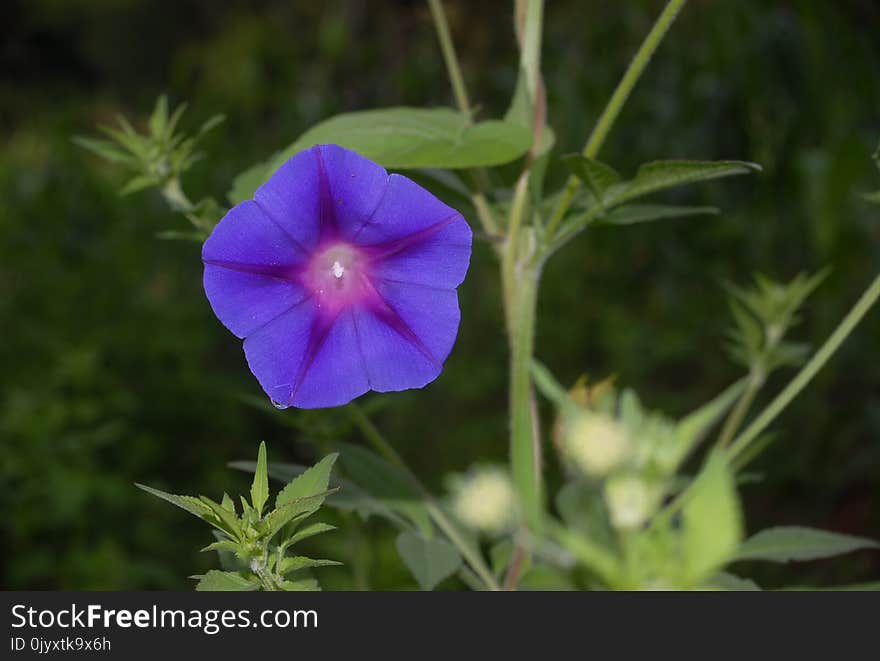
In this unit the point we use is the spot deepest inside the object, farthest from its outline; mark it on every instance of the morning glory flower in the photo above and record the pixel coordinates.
(340, 279)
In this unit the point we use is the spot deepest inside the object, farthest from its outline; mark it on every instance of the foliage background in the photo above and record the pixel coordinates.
(114, 370)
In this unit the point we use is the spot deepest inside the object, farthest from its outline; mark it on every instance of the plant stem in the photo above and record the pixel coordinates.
(451, 59)
(383, 447)
(615, 104)
(738, 413)
(784, 398)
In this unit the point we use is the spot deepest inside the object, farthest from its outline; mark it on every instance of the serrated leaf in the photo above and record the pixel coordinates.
(227, 521)
(189, 504)
(797, 543)
(225, 581)
(403, 137)
(711, 521)
(660, 175)
(429, 560)
(312, 481)
(222, 545)
(304, 585)
(631, 214)
(597, 176)
(301, 507)
(308, 531)
(291, 564)
(260, 485)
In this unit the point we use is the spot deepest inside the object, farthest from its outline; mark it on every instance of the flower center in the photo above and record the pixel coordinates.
(337, 275)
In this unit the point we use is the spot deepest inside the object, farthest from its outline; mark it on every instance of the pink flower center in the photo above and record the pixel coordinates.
(338, 275)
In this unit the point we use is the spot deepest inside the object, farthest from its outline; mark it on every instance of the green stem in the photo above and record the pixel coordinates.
(383, 447)
(616, 103)
(784, 398)
(525, 455)
(738, 413)
(446, 45)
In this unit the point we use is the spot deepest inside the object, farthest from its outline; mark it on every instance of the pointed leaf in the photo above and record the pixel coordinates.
(797, 543)
(225, 581)
(312, 481)
(429, 560)
(711, 521)
(222, 545)
(660, 175)
(631, 214)
(301, 507)
(260, 486)
(309, 531)
(228, 521)
(190, 504)
(597, 176)
(295, 563)
(726, 581)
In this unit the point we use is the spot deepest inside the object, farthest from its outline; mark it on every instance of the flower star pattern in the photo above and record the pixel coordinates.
(339, 278)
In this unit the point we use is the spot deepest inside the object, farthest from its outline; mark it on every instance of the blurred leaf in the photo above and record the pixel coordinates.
(727, 581)
(631, 214)
(260, 485)
(304, 585)
(312, 481)
(429, 560)
(582, 508)
(796, 543)
(711, 521)
(159, 118)
(385, 482)
(291, 564)
(225, 581)
(597, 176)
(417, 138)
(659, 175)
(693, 428)
(872, 197)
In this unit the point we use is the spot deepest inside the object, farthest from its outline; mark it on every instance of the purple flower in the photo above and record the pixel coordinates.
(339, 278)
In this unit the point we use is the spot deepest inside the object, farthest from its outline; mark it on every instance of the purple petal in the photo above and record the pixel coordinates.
(354, 187)
(246, 301)
(438, 255)
(247, 237)
(406, 208)
(405, 341)
(334, 374)
(275, 351)
(291, 199)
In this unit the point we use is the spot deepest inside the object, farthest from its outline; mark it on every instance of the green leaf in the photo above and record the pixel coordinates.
(225, 581)
(711, 521)
(138, 183)
(309, 531)
(872, 197)
(295, 563)
(260, 486)
(417, 138)
(385, 482)
(694, 427)
(105, 149)
(659, 175)
(429, 560)
(630, 214)
(726, 581)
(159, 118)
(190, 504)
(550, 387)
(788, 543)
(312, 481)
(223, 545)
(305, 585)
(597, 176)
(301, 507)
(229, 522)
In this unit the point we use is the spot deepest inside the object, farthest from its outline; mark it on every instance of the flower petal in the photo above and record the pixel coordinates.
(275, 351)
(405, 342)
(334, 374)
(291, 198)
(245, 301)
(438, 255)
(405, 208)
(247, 237)
(355, 187)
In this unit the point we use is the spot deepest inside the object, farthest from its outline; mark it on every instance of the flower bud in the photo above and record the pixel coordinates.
(595, 443)
(486, 501)
(630, 501)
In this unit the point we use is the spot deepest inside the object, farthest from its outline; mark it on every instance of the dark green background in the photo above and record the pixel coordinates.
(114, 369)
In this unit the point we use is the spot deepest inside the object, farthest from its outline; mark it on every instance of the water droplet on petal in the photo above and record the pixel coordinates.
(278, 405)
